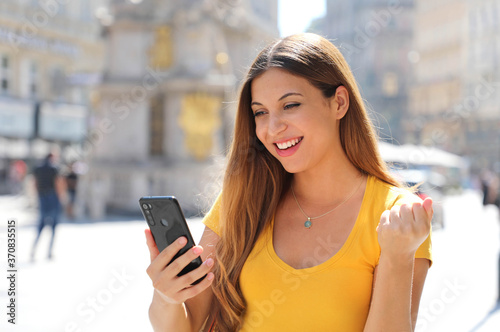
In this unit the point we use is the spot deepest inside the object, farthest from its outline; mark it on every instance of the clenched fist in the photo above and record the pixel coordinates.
(404, 228)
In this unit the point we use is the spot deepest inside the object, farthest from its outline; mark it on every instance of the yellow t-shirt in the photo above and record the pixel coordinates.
(332, 296)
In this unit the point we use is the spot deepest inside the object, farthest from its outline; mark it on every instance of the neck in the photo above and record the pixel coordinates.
(328, 182)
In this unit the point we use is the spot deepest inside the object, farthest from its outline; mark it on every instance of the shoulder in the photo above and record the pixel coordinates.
(389, 195)
(212, 218)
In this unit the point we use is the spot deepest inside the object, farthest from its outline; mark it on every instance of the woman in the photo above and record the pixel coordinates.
(310, 232)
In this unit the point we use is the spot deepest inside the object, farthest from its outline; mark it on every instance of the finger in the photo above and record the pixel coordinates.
(384, 218)
(162, 260)
(153, 249)
(197, 273)
(181, 262)
(395, 214)
(406, 213)
(420, 213)
(427, 204)
(167, 281)
(190, 292)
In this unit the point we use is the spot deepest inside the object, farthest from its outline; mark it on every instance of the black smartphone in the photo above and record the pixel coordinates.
(167, 223)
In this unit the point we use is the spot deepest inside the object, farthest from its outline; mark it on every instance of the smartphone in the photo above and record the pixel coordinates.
(167, 223)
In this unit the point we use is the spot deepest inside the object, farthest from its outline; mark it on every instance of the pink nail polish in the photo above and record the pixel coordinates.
(209, 262)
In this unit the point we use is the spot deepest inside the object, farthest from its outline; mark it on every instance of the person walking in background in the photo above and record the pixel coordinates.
(489, 186)
(49, 186)
(17, 173)
(71, 184)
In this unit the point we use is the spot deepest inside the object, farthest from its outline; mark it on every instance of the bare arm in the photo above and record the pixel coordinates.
(176, 305)
(396, 295)
(419, 274)
(60, 186)
(394, 305)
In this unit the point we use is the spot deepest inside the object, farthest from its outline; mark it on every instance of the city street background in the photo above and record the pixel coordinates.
(137, 98)
(97, 281)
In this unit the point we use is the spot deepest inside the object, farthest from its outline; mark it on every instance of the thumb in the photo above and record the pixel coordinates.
(427, 204)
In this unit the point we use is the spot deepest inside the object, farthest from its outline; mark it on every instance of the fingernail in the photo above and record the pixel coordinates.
(209, 262)
(197, 250)
(182, 241)
(210, 276)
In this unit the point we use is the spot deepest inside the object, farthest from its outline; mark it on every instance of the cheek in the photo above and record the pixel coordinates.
(260, 131)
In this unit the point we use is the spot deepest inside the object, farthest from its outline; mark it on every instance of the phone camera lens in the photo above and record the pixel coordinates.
(145, 206)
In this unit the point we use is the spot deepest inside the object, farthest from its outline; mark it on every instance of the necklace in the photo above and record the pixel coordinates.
(308, 222)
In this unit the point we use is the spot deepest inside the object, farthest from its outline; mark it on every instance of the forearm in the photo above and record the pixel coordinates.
(166, 317)
(390, 308)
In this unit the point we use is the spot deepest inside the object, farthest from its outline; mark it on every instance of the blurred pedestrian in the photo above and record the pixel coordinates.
(489, 186)
(17, 173)
(71, 185)
(49, 186)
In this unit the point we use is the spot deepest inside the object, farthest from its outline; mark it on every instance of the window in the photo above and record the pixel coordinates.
(33, 73)
(156, 127)
(4, 74)
(5, 62)
(390, 85)
(58, 83)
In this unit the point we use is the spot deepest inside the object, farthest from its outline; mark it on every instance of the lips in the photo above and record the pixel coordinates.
(288, 147)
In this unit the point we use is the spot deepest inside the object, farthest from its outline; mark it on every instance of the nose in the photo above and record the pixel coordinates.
(276, 125)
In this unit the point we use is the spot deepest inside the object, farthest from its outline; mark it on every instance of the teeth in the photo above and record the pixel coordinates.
(286, 145)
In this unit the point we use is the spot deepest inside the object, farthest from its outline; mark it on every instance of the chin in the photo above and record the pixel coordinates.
(290, 168)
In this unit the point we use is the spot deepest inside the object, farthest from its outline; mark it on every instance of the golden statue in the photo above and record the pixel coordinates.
(199, 118)
(161, 53)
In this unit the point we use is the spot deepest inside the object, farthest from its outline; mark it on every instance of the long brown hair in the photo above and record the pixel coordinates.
(254, 180)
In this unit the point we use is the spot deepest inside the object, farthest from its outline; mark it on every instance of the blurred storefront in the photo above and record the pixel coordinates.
(50, 57)
(165, 108)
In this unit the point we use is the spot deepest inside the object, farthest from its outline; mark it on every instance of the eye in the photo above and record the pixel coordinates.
(290, 106)
(258, 113)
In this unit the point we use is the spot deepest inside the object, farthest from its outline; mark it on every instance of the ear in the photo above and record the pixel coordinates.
(340, 102)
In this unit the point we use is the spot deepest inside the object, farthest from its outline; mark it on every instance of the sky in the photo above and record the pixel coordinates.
(294, 16)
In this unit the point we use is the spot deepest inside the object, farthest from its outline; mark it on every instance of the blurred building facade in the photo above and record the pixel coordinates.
(50, 56)
(439, 72)
(481, 103)
(375, 38)
(454, 98)
(166, 105)
(429, 70)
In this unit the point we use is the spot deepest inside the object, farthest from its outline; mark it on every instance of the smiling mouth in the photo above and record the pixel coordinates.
(288, 144)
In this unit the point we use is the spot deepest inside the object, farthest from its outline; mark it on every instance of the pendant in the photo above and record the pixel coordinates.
(308, 223)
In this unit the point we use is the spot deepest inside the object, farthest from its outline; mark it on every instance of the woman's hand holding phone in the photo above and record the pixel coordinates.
(172, 288)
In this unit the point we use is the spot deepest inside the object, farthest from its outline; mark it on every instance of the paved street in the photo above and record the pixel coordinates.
(461, 288)
(97, 281)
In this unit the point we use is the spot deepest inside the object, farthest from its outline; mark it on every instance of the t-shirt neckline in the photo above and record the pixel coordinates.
(333, 259)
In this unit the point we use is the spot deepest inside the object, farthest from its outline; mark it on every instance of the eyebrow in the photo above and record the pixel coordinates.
(281, 98)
